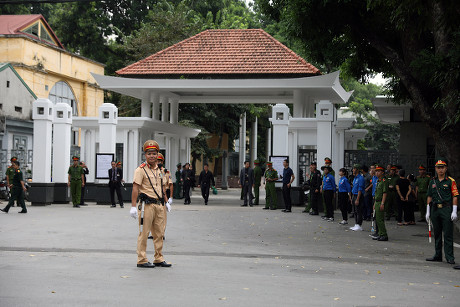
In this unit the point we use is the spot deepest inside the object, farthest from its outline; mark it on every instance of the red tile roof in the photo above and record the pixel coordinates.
(12, 24)
(224, 52)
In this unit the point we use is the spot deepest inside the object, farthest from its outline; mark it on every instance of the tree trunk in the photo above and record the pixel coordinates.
(448, 146)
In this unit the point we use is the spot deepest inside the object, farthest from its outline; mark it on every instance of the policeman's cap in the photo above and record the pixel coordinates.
(379, 167)
(327, 160)
(161, 157)
(14, 159)
(75, 158)
(151, 144)
(441, 162)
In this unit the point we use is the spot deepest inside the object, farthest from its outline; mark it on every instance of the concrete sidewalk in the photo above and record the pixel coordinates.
(222, 254)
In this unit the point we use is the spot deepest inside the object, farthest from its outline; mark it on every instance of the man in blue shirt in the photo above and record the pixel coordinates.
(358, 197)
(328, 189)
(288, 178)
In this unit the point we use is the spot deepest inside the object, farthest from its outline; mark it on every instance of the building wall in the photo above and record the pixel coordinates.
(42, 66)
(14, 96)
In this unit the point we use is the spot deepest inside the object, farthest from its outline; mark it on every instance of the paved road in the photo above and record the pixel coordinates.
(222, 255)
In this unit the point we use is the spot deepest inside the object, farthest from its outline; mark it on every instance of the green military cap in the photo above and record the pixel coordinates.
(75, 158)
(256, 161)
(178, 164)
(357, 166)
(14, 159)
(379, 167)
(327, 160)
(422, 167)
(441, 162)
(269, 163)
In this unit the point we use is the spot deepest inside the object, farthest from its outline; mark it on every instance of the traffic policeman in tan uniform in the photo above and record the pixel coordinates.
(149, 196)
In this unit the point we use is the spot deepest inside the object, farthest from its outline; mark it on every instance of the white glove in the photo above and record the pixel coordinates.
(168, 207)
(133, 212)
(453, 217)
(170, 201)
(427, 216)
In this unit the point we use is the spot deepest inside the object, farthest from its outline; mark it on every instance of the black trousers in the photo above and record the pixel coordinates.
(205, 192)
(115, 186)
(328, 197)
(315, 199)
(358, 209)
(287, 197)
(407, 208)
(187, 186)
(247, 193)
(344, 203)
(82, 196)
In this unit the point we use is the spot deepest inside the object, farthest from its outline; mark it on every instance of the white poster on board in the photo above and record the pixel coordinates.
(103, 164)
(278, 164)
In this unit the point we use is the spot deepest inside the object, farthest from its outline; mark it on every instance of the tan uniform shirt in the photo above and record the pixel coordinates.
(156, 177)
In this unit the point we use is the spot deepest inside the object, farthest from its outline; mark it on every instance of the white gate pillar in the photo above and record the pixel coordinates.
(61, 141)
(324, 117)
(42, 115)
(108, 119)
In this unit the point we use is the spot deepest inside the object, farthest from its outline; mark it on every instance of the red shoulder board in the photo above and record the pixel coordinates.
(142, 165)
(383, 179)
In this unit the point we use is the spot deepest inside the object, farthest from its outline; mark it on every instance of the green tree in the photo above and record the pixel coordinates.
(414, 42)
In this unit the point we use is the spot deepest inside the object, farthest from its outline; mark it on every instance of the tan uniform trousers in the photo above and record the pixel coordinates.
(154, 219)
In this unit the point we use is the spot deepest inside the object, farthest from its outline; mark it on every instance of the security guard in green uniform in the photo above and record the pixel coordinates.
(178, 183)
(421, 187)
(442, 201)
(17, 189)
(76, 181)
(257, 179)
(271, 175)
(380, 203)
(10, 171)
(391, 197)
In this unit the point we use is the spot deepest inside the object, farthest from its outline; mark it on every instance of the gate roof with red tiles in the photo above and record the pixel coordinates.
(236, 52)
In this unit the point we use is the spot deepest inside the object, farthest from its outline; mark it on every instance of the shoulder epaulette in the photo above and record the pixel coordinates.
(452, 179)
(142, 165)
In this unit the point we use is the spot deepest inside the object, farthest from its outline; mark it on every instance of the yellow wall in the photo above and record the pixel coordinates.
(40, 65)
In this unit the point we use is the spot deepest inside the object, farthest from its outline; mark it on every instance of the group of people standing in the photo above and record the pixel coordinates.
(186, 181)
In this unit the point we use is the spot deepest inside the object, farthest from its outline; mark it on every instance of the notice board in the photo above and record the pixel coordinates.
(103, 164)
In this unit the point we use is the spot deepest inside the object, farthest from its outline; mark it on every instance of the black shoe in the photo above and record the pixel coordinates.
(285, 210)
(23, 211)
(375, 237)
(206, 204)
(146, 265)
(113, 206)
(434, 259)
(314, 213)
(264, 208)
(243, 205)
(382, 238)
(76, 206)
(121, 206)
(163, 264)
(272, 208)
(457, 267)
(3, 210)
(250, 205)
(150, 237)
(451, 261)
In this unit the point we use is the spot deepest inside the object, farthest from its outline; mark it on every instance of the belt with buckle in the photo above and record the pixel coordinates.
(440, 206)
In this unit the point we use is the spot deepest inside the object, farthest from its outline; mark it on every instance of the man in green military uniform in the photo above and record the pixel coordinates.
(392, 178)
(271, 175)
(257, 180)
(178, 183)
(328, 162)
(442, 201)
(10, 171)
(380, 204)
(17, 189)
(421, 187)
(75, 181)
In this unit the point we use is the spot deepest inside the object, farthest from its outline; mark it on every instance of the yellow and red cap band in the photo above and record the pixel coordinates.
(161, 157)
(421, 167)
(379, 168)
(441, 163)
(75, 158)
(151, 144)
(394, 168)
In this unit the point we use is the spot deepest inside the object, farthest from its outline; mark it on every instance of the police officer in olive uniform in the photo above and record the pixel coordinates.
(442, 201)
(380, 204)
(149, 193)
(10, 171)
(328, 162)
(271, 175)
(257, 180)
(76, 180)
(421, 187)
(391, 197)
(17, 190)
(178, 183)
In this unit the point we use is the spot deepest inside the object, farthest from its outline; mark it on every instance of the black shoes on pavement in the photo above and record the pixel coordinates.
(285, 210)
(163, 264)
(434, 259)
(146, 265)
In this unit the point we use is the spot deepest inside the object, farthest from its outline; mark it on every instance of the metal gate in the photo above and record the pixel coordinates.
(306, 157)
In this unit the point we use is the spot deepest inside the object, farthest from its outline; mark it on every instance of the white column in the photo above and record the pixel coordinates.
(90, 149)
(164, 109)
(294, 155)
(280, 122)
(269, 142)
(155, 106)
(341, 158)
(254, 142)
(108, 119)
(62, 123)
(42, 115)
(174, 112)
(299, 103)
(324, 117)
(145, 104)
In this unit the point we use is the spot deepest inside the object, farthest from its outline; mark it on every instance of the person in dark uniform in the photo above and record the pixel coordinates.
(178, 183)
(246, 182)
(187, 181)
(328, 189)
(380, 203)
(205, 181)
(115, 178)
(271, 176)
(288, 178)
(258, 173)
(420, 191)
(442, 201)
(85, 172)
(17, 190)
(75, 181)
(315, 182)
(391, 197)
(10, 171)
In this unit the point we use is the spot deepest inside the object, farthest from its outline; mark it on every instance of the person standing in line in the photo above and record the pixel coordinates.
(75, 181)
(246, 182)
(83, 188)
(328, 162)
(148, 200)
(17, 190)
(115, 178)
(442, 202)
(328, 190)
(205, 181)
(288, 178)
(187, 180)
(358, 198)
(381, 192)
(391, 197)
(315, 182)
(375, 180)
(344, 195)
(257, 180)
(178, 183)
(367, 208)
(420, 191)
(271, 176)
(403, 190)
